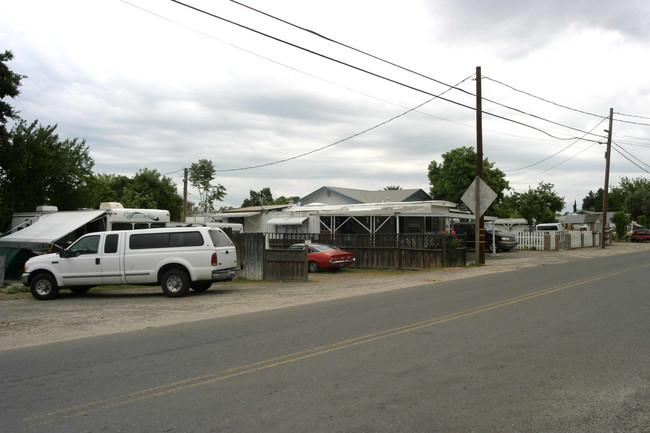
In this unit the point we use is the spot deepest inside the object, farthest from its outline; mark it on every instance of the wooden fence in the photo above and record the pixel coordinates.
(263, 256)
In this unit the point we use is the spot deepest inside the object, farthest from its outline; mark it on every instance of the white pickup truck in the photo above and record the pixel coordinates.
(175, 258)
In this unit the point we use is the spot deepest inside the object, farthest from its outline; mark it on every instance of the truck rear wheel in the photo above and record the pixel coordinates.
(43, 287)
(175, 283)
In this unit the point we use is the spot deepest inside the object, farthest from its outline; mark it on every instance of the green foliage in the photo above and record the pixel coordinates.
(538, 205)
(631, 196)
(202, 174)
(621, 221)
(264, 197)
(450, 179)
(642, 220)
(9, 84)
(148, 189)
(36, 168)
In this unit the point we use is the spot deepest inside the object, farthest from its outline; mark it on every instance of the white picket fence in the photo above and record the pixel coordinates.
(557, 241)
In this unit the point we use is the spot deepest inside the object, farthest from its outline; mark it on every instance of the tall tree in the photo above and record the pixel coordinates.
(148, 189)
(538, 205)
(202, 174)
(259, 198)
(450, 178)
(9, 87)
(38, 168)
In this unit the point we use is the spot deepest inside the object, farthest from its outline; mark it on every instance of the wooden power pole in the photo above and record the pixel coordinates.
(607, 158)
(479, 246)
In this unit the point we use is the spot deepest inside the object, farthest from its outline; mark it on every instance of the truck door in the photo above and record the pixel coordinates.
(81, 265)
(111, 261)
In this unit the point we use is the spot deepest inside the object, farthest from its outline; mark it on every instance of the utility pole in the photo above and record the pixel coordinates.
(479, 246)
(185, 171)
(607, 157)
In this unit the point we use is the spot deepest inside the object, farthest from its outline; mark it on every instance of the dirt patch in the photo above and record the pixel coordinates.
(25, 321)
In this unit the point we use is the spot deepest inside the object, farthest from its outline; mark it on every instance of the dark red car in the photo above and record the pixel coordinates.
(325, 257)
(640, 235)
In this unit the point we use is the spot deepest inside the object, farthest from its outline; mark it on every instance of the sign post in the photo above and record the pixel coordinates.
(478, 197)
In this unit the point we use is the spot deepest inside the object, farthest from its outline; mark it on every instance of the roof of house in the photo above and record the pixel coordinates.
(365, 196)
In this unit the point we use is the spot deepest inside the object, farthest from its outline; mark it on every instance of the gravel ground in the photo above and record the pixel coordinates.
(25, 321)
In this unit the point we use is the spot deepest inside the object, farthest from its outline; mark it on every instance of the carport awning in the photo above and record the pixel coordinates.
(233, 214)
(290, 221)
(50, 228)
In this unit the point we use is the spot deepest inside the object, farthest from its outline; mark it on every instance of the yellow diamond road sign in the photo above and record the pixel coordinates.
(485, 194)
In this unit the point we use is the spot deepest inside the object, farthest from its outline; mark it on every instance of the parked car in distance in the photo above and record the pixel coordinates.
(504, 241)
(640, 235)
(549, 227)
(322, 256)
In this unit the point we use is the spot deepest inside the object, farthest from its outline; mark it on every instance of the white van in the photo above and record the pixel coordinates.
(175, 258)
(549, 227)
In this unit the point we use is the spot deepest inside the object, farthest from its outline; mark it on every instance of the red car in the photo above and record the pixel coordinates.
(325, 257)
(640, 235)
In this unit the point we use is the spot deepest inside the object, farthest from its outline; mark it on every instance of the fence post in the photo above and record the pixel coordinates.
(399, 251)
(444, 250)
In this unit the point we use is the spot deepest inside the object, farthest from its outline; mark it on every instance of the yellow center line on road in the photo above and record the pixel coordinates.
(207, 379)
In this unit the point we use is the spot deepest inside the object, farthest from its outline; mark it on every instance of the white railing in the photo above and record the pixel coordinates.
(557, 240)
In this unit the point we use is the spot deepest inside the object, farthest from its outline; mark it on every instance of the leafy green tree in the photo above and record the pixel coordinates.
(450, 178)
(259, 198)
(264, 197)
(621, 221)
(148, 189)
(9, 87)
(37, 168)
(538, 205)
(202, 174)
(642, 220)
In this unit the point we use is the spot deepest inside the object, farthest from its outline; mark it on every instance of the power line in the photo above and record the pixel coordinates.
(556, 153)
(545, 100)
(369, 72)
(621, 148)
(557, 165)
(624, 156)
(344, 139)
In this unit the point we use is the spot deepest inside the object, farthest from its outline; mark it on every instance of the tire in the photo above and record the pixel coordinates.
(313, 267)
(79, 290)
(201, 286)
(43, 287)
(175, 283)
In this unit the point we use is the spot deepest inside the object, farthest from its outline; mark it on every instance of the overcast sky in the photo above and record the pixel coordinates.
(154, 84)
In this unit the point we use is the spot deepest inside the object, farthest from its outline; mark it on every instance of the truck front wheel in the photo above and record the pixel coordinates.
(43, 287)
(175, 283)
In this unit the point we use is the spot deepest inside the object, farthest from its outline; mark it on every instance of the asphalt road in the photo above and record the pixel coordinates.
(560, 348)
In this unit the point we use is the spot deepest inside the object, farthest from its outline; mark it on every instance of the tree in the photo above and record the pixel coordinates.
(264, 197)
(392, 188)
(621, 221)
(451, 178)
(148, 189)
(36, 168)
(259, 198)
(202, 173)
(9, 87)
(538, 205)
